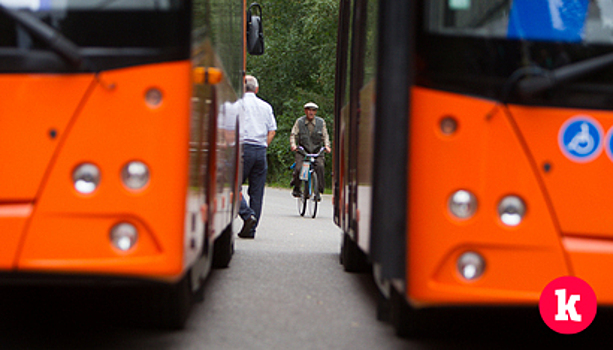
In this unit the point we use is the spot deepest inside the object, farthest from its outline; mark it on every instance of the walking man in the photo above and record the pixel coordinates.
(258, 130)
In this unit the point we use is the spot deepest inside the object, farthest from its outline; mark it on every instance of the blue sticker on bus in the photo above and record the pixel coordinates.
(548, 20)
(580, 139)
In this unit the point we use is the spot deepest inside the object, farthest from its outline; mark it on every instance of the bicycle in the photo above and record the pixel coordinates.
(310, 193)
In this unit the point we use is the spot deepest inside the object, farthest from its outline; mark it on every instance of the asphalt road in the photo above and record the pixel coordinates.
(283, 290)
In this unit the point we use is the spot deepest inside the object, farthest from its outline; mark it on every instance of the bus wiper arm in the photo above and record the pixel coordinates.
(537, 84)
(47, 34)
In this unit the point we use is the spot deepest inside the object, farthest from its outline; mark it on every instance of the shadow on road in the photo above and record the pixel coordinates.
(498, 328)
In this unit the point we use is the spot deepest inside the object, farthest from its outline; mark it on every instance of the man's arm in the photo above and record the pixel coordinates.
(326, 139)
(292, 136)
(271, 135)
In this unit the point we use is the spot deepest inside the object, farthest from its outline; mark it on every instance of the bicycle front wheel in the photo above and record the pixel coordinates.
(314, 197)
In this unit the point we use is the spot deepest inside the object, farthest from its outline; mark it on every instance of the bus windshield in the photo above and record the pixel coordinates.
(108, 33)
(588, 21)
(477, 47)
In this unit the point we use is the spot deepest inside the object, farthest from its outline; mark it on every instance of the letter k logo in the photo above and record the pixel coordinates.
(565, 309)
(568, 305)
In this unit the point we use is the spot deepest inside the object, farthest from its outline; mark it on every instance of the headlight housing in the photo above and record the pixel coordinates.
(86, 178)
(471, 266)
(135, 175)
(511, 210)
(124, 236)
(462, 204)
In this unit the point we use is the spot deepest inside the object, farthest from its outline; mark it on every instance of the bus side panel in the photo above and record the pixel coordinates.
(364, 164)
(342, 150)
(484, 156)
(69, 231)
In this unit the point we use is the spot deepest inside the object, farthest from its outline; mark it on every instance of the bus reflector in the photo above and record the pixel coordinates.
(153, 97)
(448, 125)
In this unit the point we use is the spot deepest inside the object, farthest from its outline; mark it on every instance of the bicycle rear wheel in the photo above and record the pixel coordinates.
(313, 199)
(302, 200)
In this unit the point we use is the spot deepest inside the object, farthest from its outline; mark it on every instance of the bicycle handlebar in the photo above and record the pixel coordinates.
(301, 150)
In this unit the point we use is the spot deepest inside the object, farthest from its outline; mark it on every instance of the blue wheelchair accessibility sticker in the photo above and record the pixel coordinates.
(580, 139)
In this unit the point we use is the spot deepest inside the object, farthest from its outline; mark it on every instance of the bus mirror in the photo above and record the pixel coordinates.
(255, 30)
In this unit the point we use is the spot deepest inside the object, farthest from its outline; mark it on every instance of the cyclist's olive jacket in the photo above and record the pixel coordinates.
(311, 141)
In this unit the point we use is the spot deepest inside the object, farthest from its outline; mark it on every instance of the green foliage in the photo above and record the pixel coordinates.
(297, 67)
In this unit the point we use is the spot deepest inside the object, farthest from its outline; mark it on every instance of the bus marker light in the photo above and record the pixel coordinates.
(471, 266)
(511, 210)
(462, 204)
(124, 236)
(135, 175)
(153, 98)
(448, 125)
(207, 75)
(86, 178)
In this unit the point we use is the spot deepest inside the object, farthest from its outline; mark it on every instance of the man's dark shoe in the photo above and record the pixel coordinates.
(246, 231)
(297, 193)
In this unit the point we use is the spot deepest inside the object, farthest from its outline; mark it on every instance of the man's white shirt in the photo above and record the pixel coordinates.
(258, 120)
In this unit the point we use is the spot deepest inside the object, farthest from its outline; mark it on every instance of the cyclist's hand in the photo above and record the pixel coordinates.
(328, 150)
(294, 148)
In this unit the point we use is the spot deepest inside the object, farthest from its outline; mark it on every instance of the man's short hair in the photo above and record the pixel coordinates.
(251, 83)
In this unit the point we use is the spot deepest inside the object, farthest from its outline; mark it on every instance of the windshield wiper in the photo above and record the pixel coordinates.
(548, 79)
(47, 34)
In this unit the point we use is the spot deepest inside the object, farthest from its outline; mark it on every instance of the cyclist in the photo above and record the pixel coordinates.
(310, 133)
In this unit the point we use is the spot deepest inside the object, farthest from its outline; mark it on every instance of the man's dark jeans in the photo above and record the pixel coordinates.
(255, 168)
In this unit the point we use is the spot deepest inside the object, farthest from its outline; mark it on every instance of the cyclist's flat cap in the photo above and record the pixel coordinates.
(311, 105)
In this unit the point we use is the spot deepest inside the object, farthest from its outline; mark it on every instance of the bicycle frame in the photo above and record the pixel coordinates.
(307, 168)
(311, 187)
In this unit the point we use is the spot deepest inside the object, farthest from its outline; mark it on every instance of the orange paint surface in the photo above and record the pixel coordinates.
(13, 218)
(33, 107)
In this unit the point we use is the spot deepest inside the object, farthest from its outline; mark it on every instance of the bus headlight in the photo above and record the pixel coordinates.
(124, 236)
(86, 178)
(462, 204)
(511, 210)
(471, 266)
(135, 175)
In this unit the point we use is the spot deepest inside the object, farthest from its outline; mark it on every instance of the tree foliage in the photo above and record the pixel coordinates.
(297, 67)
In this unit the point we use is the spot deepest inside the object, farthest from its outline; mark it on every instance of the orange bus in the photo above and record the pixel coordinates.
(472, 144)
(117, 143)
